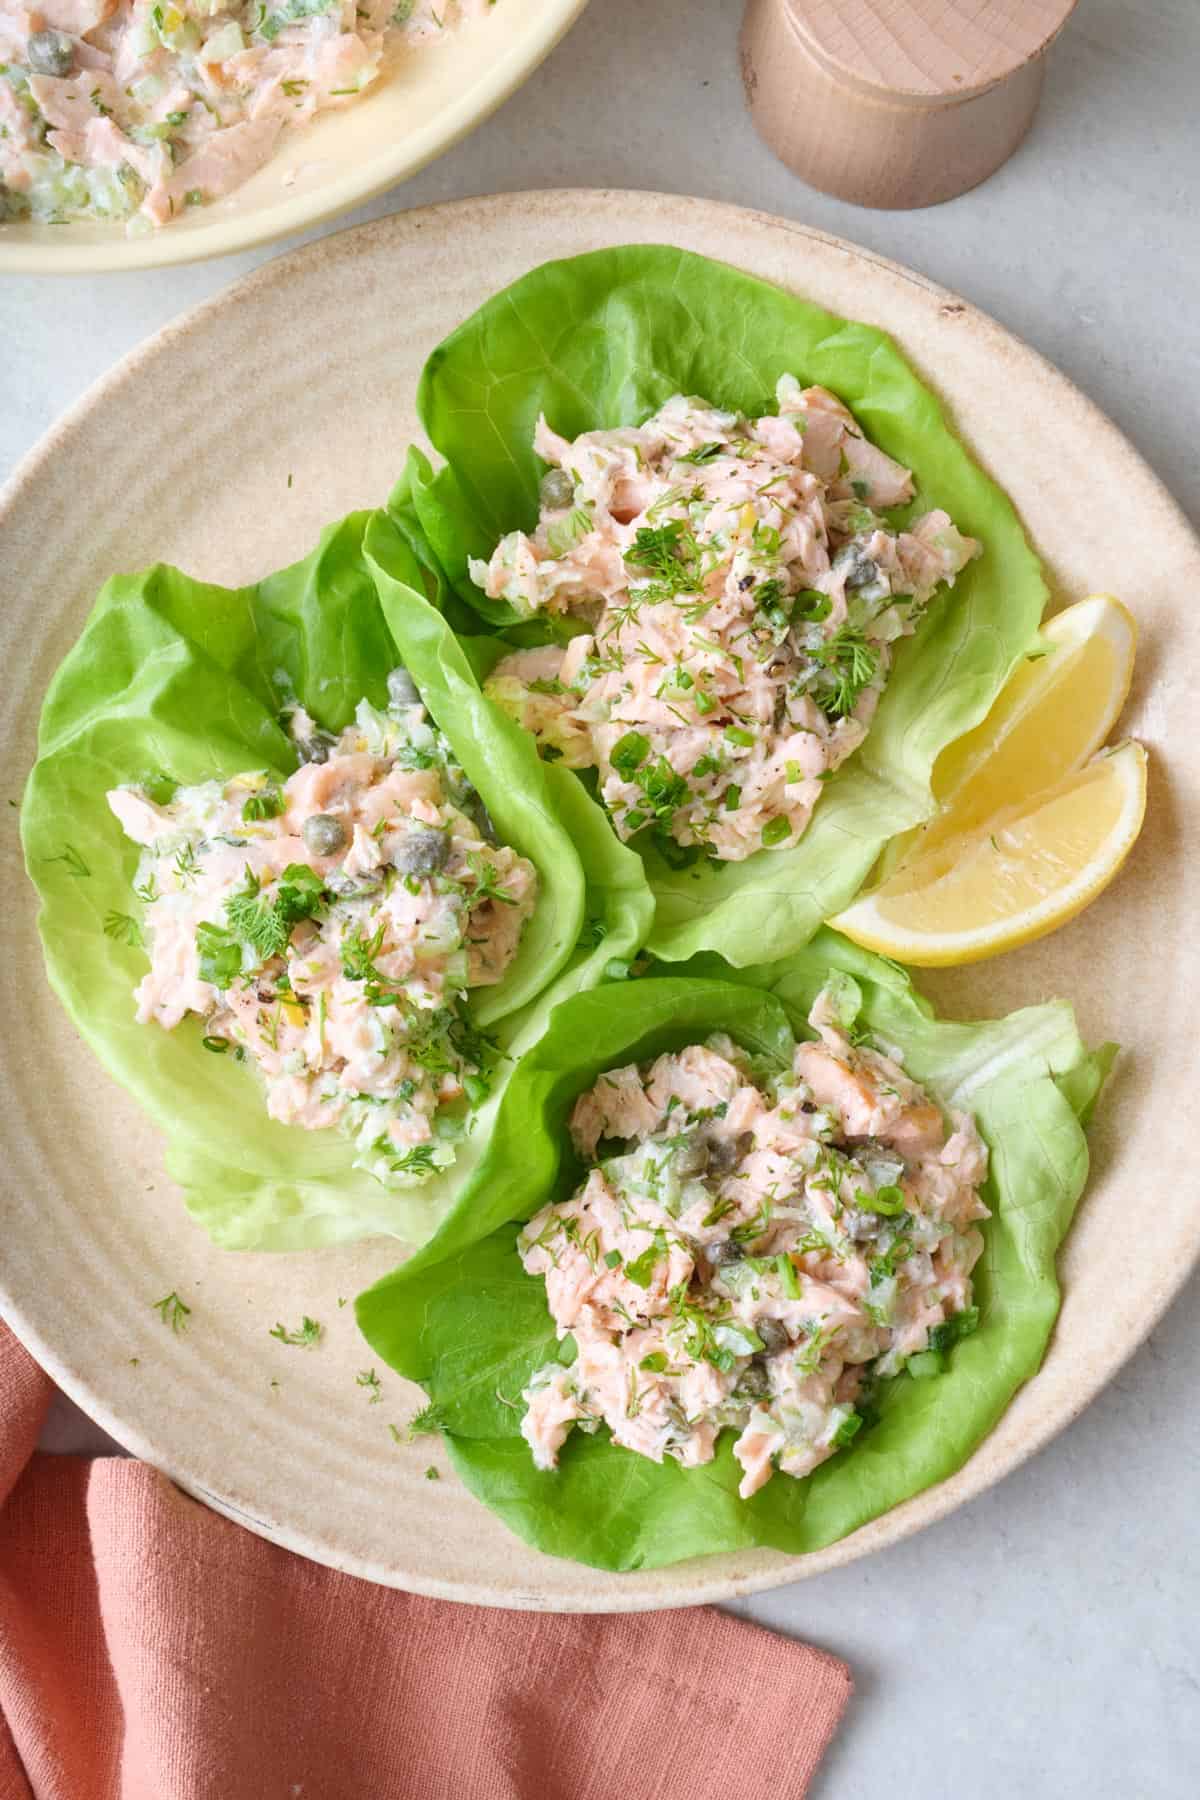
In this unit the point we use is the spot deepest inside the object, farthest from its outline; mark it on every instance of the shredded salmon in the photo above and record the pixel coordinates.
(752, 1255)
(738, 590)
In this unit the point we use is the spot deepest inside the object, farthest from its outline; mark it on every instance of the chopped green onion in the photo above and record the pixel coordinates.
(786, 1270)
(889, 1201)
(959, 1325)
(476, 1088)
(266, 805)
(629, 753)
(850, 1426)
(641, 1270)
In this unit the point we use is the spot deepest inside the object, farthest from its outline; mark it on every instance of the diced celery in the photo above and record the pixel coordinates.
(225, 42)
(144, 40)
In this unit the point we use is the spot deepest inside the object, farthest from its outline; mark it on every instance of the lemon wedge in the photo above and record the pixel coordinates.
(1054, 712)
(1017, 878)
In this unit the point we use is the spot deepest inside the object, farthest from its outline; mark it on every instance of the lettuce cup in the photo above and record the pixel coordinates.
(336, 876)
(723, 556)
(750, 1259)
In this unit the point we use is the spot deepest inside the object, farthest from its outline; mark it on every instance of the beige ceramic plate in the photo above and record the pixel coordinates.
(202, 450)
(428, 99)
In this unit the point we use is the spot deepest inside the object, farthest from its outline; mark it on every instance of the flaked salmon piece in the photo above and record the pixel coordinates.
(224, 160)
(698, 1077)
(75, 102)
(755, 1450)
(549, 445)
(915, 1129)
(76, 17)
(875, 477)
(16, 27)
(781, 438)
(549, 1417)
(106, 146)
(618, 1106)
(137, 816)
(849, 1091)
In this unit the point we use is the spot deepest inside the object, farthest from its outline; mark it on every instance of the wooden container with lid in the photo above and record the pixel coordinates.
(896, 103)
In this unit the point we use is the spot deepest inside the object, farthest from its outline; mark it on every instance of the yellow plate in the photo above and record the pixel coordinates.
(425, 100)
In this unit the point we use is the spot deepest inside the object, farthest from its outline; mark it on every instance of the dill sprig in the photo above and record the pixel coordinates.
(307, 1333)
(172, 1311)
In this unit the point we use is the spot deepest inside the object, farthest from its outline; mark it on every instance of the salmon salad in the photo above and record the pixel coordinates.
(753, 1253)
(329, 927)
(137, 110)
(731, 592)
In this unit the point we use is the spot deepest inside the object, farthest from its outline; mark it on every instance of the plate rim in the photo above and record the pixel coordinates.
(775, 1569)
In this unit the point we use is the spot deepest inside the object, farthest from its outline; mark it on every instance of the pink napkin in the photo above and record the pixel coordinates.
(152, 1650)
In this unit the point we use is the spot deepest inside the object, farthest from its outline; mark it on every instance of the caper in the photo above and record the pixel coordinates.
(861, 570)
(726, 1153)
(881, 1163)
(722, 1156)
(323, 834)
(315, 749)
(774, 1335)
(691, 1158)
(422, 853)
(402, 689)
(557, 491)
(863, 573)
(721, 1255)
(50, 53)
(753, 1380)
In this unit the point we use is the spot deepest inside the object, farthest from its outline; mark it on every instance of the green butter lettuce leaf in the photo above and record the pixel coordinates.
(175, 677)
(523, 793)
(464, 1320)
(603, 340)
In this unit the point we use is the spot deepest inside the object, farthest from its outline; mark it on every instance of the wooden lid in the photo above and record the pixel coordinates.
(926, 50)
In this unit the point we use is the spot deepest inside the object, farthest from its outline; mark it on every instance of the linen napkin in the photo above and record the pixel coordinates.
(152, 1650)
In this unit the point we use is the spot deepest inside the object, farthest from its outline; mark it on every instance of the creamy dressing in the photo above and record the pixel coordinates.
(736, 589)
(329, 927)
(139, 109)
(752, 1253)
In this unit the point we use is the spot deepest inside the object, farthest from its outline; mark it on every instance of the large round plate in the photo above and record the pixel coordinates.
(223, 445)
